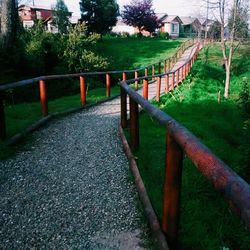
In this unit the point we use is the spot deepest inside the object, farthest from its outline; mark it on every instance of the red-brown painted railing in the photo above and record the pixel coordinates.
(180, 141)
(82, 78)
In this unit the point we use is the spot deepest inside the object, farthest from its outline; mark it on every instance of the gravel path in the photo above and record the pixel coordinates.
(70, 189)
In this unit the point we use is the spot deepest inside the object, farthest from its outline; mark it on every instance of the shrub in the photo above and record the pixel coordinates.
(164, 35)
(79, 51)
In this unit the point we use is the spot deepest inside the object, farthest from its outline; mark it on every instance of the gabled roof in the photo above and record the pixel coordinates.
(171, 18)
(204, 20)
(35, 7)
(187, 20)
(161, 16)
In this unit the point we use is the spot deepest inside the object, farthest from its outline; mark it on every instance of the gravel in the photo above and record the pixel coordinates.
(71, 188)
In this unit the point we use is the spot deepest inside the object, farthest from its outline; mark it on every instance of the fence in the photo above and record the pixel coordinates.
(164, 65)
(180, 141)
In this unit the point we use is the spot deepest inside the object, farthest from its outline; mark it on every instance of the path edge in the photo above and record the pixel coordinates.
(158, 235)
(43, 121)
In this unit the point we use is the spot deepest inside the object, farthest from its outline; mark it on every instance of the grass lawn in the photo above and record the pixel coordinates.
(206, 221)
(129, 53)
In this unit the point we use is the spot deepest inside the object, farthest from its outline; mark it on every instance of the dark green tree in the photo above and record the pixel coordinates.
(99, 15)
(61, 16)
(241, 22)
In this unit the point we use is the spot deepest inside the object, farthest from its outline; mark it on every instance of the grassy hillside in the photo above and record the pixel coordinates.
(131, 52)
(206, 221)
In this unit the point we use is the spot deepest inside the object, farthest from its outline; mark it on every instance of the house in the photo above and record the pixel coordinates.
(190, 27)
(206, 24)
(30, 14)
(123, 28)
(170, 24)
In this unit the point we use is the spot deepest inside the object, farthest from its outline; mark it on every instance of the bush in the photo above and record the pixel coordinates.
(164, 35)
(79, 51)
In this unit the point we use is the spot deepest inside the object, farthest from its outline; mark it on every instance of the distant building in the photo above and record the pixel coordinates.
(123, 28)
(30, 14)
(190, 27)
(170, 24)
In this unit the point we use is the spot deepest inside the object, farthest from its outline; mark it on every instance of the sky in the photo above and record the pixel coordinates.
(171, 7)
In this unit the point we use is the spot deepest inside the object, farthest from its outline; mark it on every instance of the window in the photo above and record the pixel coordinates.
(174, 28)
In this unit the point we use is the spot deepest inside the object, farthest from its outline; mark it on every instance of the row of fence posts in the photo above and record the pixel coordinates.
(174, 153)
(168, 63)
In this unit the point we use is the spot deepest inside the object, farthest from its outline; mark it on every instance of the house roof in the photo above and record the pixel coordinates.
(187, 20)
(35, 7)
(161, 15)
(170, 18)
(204, 20)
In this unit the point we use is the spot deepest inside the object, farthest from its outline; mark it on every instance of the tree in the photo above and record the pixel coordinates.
(78, 52)
(241, 22)
(8, 22)
(99, 15)
(140, 14)
(61, 16)
(228, 46)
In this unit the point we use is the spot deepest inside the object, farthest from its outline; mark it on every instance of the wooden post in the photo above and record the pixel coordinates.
(136, 82)
(177, 76)
(173, 80)
(124, 76)
(172, 190)
(82, 90)
(153, 71)
(123, 108)
(2, 120)
(169, 64)
(134, 124)
(158, 89)
(145, 89)
(43, 97)
(165, 66)
(107, 85)
(146, 71)
(167, 83)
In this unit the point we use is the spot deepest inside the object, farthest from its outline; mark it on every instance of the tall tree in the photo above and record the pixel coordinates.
(241, 22)
(99, 15)
(8, 22)
(61, 16)
(140, 15)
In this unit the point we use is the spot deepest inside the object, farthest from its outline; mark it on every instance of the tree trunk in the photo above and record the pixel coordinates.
(8, 23)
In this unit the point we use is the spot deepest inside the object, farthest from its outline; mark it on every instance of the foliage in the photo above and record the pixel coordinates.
(140, 14)
(41, 49)
(99, 15)
(61, 16)
(164, 35)
(78, 51)
(241, 22)
(215, 30)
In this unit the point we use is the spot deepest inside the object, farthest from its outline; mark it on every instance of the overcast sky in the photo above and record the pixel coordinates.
(171, 7)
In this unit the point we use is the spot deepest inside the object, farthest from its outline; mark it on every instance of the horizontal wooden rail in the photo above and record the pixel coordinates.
(82, 76)
(180, 142)
(225, 180)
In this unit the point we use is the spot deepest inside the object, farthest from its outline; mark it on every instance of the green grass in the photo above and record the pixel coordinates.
(129, 53)
(20, 116)
(206, 221)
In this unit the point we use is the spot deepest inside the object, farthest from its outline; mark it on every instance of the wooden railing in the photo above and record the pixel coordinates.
(164, 65)
(180, 142)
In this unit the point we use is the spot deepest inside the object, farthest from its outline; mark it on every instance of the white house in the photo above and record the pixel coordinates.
(170, 24)
(122, 27)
